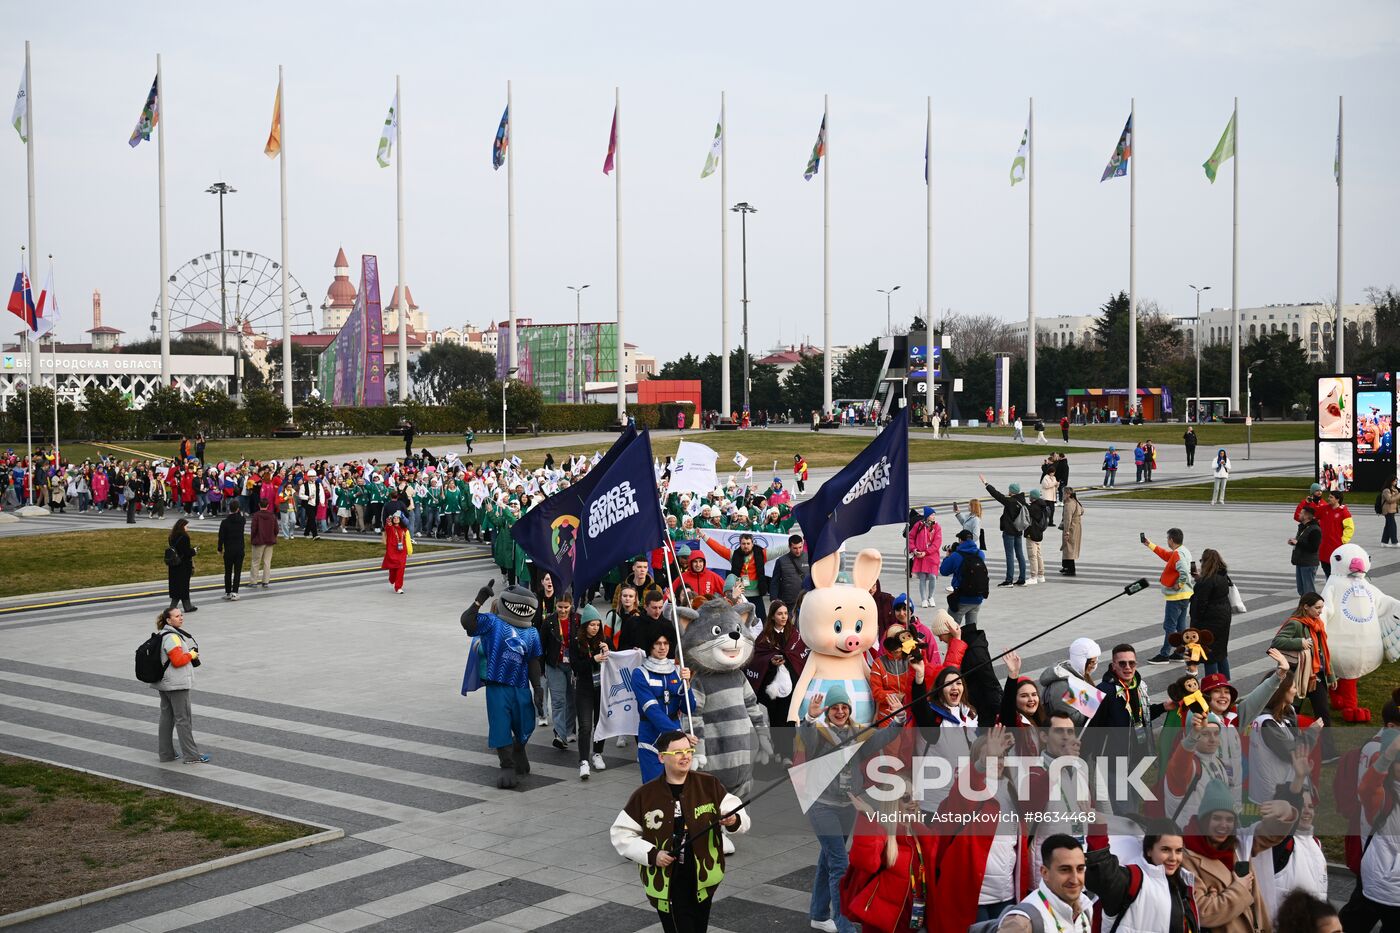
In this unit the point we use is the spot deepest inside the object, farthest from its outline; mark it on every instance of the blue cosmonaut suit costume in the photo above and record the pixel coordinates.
(659, 707)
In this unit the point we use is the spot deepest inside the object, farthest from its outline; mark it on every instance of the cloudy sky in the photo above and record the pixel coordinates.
(1287, 61)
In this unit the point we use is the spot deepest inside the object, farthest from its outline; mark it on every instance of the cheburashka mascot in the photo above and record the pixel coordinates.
(510, 648)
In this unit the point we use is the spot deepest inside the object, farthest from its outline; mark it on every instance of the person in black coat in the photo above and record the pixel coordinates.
(407, 439)
(1012, 539)
(1061, 476)
(1306, 543)
(178, 574)
(232, 547)
(1190, 439)
(1211, 612)
(790, 571)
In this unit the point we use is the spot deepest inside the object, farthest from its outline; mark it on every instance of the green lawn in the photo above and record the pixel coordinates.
(822, 449)
(68, 560)
(1268, 489)
(1211, 435)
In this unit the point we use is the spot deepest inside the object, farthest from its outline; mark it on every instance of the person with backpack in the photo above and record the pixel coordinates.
(1015, 519)
(231, 546)
(179, 565)
(966, 566)
(167, 661)
(1042, 516)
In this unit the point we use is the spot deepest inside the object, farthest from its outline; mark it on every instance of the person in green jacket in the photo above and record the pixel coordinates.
(378, 495)
(470, 438)
(451, 509)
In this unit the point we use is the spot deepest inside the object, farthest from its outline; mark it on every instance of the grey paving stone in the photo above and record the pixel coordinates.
(745, 916)
(612, 918)
(800, 880)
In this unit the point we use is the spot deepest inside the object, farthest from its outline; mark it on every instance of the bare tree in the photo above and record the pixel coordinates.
(977, 334)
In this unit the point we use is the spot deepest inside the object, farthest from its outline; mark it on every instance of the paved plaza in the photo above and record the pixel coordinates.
(329, 699)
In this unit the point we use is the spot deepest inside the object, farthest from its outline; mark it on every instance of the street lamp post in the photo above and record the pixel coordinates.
(744, 209)
(578, 338)
(1197, 341)
(505, 382)
(1249, 410)
(887, 292)
(222, 188)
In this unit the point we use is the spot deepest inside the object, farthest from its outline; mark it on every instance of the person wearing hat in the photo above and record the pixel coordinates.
(696, 577)
(799, 468)
(1012, 538)
(1110, 465)
(312, 497)
(1042, 517)
(1218, 853)
(925, 541)
(1084, 655)
(1312, 500)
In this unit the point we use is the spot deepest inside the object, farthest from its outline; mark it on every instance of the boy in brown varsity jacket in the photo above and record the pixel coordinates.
(671, 827)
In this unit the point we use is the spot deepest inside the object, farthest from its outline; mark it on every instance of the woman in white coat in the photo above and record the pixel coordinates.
(1220, 469)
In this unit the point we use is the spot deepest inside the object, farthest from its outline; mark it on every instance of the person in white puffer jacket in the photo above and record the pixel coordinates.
(1150, 894)
(1377, 897)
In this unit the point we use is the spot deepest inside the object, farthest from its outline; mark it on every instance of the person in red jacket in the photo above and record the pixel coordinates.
(696, 577)
(1337, 526)
(1313, 500)
(396, 543)
(888, 885)
(263, 536)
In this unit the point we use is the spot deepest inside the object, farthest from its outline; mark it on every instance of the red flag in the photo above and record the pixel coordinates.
(612, 146)
(22, 302)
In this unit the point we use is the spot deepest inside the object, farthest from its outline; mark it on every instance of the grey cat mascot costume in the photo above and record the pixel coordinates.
(731, 723)
(510, 649)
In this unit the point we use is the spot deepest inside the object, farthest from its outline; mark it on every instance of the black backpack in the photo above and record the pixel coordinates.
(149, 667)
(972, 580)
(172, 559)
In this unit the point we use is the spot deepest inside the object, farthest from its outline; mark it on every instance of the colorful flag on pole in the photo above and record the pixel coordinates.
(390, 133)
(1225, 149)
(928, 132)
(814, 163)
(22, 302)
(1118, 164)
(150, 116)
(1018, 164)
(274, 137)
(1082, 696)
(502, 141)
(712, 160)
(20, 118)
(612, 146)
(46, 310)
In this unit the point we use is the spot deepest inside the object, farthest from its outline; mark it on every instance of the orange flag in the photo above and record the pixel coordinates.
(274, 138)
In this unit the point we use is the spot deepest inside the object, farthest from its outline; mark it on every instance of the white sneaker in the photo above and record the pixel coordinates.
(598, 763)
(583, 770)
(621, 740)
(233, 596)
(1040, 579)
(542, 722)
(828, 925)
(1030, 581)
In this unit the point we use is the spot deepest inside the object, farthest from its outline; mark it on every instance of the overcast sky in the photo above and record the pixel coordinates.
(1082, 61)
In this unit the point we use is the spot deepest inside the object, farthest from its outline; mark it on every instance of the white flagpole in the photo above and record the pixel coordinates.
(826, 256)
(1030, 264)
(928, 276)
(1235, 275)
(33, 370)
(510, 225)
(165, 367)
(286, 301)
(403, 285)
(724, 394)
(1339, 331)
(53, 340)
(34, 352)
(1132, 260)
(668, 548)
(617, 187)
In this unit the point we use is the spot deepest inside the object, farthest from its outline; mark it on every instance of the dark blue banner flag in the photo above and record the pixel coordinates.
(621, 516)
(549, 531)
(873, 489)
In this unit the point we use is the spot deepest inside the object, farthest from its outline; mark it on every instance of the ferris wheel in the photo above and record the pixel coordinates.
(250, 299)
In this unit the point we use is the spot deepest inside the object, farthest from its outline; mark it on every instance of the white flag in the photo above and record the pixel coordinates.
(740, 460)
(1018, 165)
(20, 118)
(618, 713)
(748, 472)
(693, 470)
(712, 160)
(1082, 696)
(46, 308)
(390, 134)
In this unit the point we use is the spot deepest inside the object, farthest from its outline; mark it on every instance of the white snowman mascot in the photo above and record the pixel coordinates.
(1363, 627)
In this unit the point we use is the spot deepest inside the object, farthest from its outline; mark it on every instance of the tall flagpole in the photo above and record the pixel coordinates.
(928, 276)
(826, 257)
(617, 188)
(723, 262)
(286, 301)
(1030, 263)
(1341, 324)
(34, 352)
(403, 286)
(54, 343)
(166, 372)
(1235, 275)
(510, 228)
(33, 368)
(1132, 260)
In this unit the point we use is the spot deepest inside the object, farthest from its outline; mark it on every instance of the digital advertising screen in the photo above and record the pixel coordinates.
(1374, 434)
(1335, 467)
(1334, 408)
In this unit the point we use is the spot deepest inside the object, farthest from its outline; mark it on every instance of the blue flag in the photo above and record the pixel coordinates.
(873, 489)
(502, 141)
(621, 516)
(549, 531)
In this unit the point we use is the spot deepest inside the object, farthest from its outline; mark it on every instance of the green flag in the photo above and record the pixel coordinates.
(1225, 149)
(390, 134)
(712, 160)
(20, 117)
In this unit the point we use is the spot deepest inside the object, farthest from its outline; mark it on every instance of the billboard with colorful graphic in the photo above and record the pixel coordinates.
(559, 359)
(351, 370)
